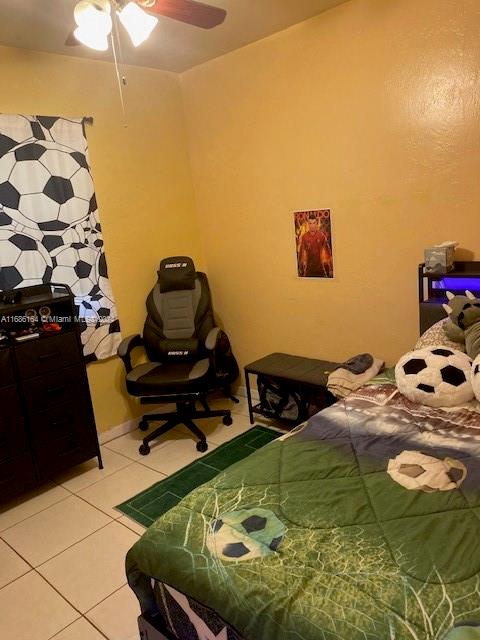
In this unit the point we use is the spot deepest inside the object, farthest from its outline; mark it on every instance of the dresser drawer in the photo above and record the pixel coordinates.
(48, 354)
(54, 389)
(13, 438)
(63, 453)
(16, 475)
(6, 370)
(61, 421)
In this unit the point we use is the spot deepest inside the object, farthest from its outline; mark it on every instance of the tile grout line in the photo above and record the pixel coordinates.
(81, 615)
(106, 598)
(84, 614)
(74, 493)
(100, 510)
(63, 598)
(69, 546)
(30, 567)
(34, 514)
(104, 526)
(18, 554)
(104, 478)
(126, 525)
(95, 627)
(72, 623)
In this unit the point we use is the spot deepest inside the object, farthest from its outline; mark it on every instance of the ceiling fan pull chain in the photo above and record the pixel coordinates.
(119, 43)
(121, 81)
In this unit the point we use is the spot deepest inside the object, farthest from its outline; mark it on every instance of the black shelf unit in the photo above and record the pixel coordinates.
(47, 423)
(432, 289)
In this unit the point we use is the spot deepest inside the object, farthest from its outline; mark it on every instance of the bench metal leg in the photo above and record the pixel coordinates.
(249, 396)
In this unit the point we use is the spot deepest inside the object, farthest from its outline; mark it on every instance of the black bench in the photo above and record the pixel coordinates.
(305, 376)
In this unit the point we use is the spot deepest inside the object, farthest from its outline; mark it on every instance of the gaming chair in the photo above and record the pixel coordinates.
(188, 355)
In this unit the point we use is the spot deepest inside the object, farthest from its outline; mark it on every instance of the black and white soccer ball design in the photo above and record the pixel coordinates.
(476, 377)
(418, 471)
(245, 535)
(435, 376)
(23, 260)
(49, 225)
(75, 265)
(46, 186)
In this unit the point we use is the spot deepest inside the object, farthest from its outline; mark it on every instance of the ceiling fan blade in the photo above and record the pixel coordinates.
(189, 11)
(71, 40)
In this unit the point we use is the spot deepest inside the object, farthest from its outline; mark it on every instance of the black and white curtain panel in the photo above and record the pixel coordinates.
(49, 224)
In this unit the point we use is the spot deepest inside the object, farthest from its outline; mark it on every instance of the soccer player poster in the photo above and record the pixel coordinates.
(313, 235)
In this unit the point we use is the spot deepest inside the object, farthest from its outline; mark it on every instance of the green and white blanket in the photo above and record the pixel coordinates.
(362, 525)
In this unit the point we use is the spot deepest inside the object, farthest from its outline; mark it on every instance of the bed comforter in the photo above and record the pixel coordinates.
(312, 538)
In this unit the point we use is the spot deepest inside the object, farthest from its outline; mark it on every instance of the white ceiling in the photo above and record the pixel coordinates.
(42, 25)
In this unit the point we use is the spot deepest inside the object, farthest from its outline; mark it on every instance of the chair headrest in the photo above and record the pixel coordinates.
(176, 273)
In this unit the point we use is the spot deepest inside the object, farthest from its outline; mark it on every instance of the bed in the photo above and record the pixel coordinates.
(312, 538)
(362, 524)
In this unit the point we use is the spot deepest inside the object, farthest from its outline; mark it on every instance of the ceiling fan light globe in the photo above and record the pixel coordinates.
(138, 24)
(92, 38)
(93, 14)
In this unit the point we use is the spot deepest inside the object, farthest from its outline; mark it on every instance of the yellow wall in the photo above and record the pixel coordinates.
(370, 109)
(141, 174)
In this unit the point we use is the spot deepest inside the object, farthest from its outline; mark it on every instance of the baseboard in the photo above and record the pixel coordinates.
(132, 424)
(119, 430)
(242, 391)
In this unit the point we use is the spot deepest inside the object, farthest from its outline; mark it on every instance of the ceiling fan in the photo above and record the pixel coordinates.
(94, 19)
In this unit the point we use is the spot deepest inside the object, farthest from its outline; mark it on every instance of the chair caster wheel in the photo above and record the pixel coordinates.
(202, 446)
(227, 420)
(143, 425)
(144, 450)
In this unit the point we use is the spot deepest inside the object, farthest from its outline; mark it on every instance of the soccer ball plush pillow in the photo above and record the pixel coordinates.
(435, 376)
(476, 377)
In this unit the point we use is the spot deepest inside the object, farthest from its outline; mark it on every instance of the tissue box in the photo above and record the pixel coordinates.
(439, 259)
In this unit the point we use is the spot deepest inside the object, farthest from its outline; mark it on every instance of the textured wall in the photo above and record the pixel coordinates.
(370, 109)
(141, 174)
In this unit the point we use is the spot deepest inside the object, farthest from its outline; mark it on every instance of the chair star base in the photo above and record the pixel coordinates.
(185, 413)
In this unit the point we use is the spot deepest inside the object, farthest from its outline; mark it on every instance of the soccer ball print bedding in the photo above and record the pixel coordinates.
(417, 471)
(49, 224)
(245, 535)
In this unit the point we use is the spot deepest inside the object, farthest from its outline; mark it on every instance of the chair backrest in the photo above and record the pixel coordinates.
(179, 313)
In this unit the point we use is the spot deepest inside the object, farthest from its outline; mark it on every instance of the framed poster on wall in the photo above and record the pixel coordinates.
(313, 236)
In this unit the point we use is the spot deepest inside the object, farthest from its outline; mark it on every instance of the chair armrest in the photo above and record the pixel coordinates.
(125, 348)
(212, 337)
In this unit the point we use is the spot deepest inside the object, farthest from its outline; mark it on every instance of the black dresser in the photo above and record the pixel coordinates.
(46, 415)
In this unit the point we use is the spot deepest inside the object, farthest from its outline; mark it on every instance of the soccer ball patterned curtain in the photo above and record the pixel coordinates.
(49, 225)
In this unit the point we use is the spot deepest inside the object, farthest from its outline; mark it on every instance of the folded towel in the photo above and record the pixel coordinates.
(353, 373)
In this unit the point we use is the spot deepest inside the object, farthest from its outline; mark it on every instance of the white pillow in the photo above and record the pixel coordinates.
(436, 376)
(476, 377)
(435, 336)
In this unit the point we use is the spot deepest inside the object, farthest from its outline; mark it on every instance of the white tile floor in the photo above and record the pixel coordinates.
(62, 547)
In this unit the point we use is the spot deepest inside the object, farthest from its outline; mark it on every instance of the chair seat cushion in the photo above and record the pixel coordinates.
(155, 379)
